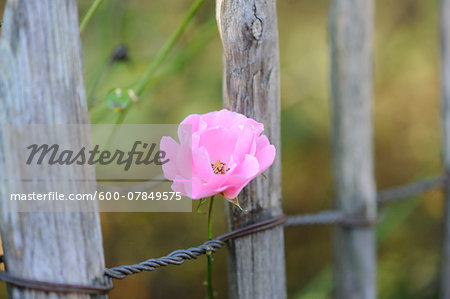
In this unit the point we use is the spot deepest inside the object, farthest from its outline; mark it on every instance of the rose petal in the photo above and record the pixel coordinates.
(201, 164)
(171, 148)
(262, 141)
(247, 171)
(248, 168)
(244, 144)
(202, 190)
(257, 127)
(184, 161)
(185, 132)
(219, 143)
(265, 157)
(226, 136)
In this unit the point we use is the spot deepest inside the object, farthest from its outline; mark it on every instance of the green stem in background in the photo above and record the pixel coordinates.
(120, 116)
(164, 51)
(209, 253)
(101, 111)
(87, 17)
(92, 89)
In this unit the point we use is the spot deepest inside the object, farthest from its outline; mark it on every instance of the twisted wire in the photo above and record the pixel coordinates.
(176, 257)
(411, 189)
(325, 217)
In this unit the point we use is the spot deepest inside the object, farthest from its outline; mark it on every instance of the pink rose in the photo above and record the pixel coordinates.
(219, 152)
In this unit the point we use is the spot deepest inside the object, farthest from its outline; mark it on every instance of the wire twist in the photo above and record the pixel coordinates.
(176, 257)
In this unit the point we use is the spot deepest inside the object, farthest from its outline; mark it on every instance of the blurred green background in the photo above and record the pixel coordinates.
(407, 138)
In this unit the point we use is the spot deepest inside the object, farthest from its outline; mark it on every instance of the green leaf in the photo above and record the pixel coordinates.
(235, 202)
(262, 173)
(200, 203)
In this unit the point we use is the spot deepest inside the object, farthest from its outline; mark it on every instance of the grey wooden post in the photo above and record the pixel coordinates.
(41, 82)
(350, 27)
(251, 86)
(445, 98)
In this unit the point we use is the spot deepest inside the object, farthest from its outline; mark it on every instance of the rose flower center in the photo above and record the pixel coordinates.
(219, 167)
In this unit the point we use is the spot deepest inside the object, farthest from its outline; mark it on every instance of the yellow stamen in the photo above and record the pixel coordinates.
(219, 167)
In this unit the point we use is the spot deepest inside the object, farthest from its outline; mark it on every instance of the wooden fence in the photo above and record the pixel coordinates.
(41, 81)
(445, 94)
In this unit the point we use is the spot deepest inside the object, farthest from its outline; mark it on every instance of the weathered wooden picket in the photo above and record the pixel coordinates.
(41, 81)
(445, 95)
(350, 27)
(251, 86)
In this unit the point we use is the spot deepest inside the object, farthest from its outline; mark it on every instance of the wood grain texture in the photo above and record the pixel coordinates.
(351, 30)
(251, 86)
(445, 102)
(41, 82)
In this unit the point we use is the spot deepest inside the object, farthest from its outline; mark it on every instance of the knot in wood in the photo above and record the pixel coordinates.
(256, 28)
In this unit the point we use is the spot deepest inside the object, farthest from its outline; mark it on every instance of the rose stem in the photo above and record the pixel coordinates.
(209, 253)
